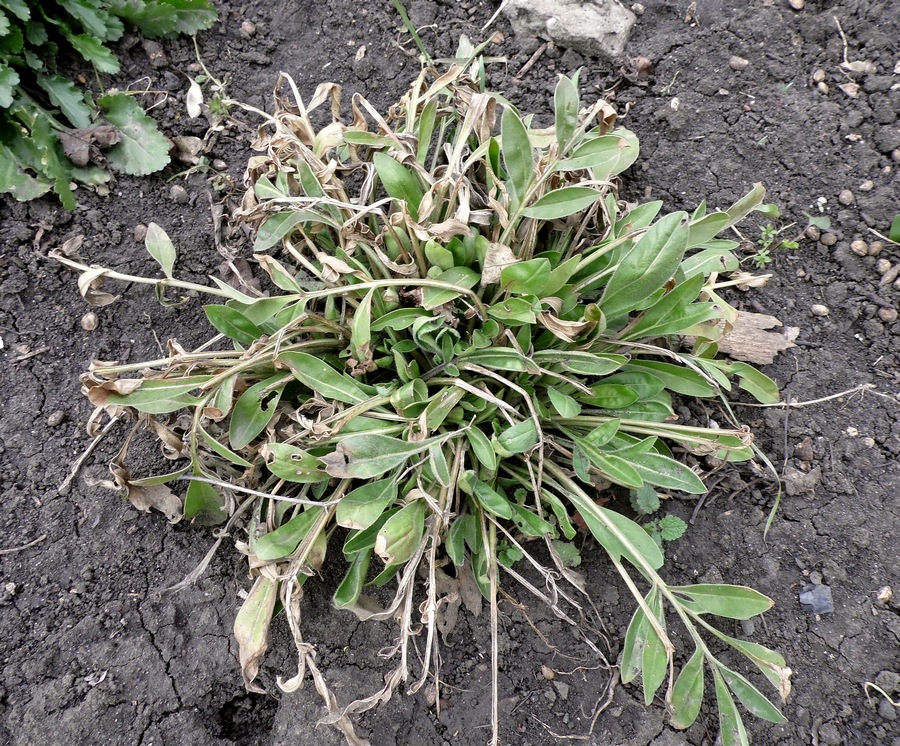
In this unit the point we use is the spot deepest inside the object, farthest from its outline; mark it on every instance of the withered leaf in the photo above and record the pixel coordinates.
(156, 496)
(99, 393)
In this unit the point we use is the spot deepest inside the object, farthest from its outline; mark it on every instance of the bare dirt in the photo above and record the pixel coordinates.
(92, 654)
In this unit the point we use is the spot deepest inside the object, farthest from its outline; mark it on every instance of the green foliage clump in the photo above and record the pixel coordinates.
(471, 344)
(51, 131)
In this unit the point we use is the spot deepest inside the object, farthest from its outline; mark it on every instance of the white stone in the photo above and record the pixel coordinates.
(592, 27)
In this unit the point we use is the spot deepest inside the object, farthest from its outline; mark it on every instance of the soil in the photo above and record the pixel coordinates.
(92, 653)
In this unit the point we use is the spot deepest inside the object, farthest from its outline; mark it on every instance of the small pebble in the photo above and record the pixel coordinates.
(869, 442)
(867, 186)
(851, 431)
(859, 247)
(887, 315)
(813, 232)
(818, 309)
(875, 247)
(884, 595)
(219, 165)
(638, 9)
(815, 577)
(140, 232)
(797, 4)
(829, 239)
(822, 88)
(56, 419)
(248, 27)
(89, 321)
(895, 155)
(817, 599)
(738, 63)
(883, 266)
(548, 673)
(846, 197)
(818, 75)
(179, 195)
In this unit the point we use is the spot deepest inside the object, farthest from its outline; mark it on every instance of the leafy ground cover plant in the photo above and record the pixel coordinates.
(52, 133)
(471, 344)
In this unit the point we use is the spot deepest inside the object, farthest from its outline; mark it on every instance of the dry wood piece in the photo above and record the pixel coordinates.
(749, 340)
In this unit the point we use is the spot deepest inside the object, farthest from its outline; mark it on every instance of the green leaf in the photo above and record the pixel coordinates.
(583, 363)
(366, 455)
(360, 508)
(676, 378)
(729, 601)
(670, 314)
(748, 695)
(9, 79)
(399, 538)
(19, 8)
(319, 376)
(91, 19)
(519, 438)
(94, 51)
(142, 148)
(161, 248)
(460, 277)
(517, 154)
(609, 396)
(513, 312)
(482, 448)
(647, 266)
(759, 385)
(63, 93)
(607, 155)
(233, 324)
(565, 100)
(454, 544)
(222, 451)
(492, 501)
(731, 727)
(351, 586)
(769, 662)
(894, 232)
(564, 404)
(654, 659)
(361, 137)
(644, 383)
(613, 467)
(567, 552)
(531, 524)
(500, 358)
(634, 540)
(671, 527)
(666, 472)
(525, 278)
(360, 329)
(204, 505)
(253, 411)
(635, 641)
(745, 205)
(154, 18)
(561, 203)
(645, 500)
(364, 540)
(286, 538)
(281, 224)
(706, 228)
(399, 182)
(294, 465)
(399, 319)
(192, 15)
(687, 693)
(160, 396)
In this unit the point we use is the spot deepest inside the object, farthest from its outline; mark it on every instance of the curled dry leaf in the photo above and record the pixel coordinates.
(187, 149)
(83, 146)
(747, 280)
(194, 99)
(98, 393)
(145, 497)
(749, 340)
(89, 284)
(251, 629)
(566, 330)
(498, 257)
(851, 89)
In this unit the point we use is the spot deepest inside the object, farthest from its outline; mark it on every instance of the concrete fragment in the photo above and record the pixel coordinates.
(592, 27)
(816, 599)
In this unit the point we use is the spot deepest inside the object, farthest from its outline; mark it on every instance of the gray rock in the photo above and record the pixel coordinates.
(592, 27)
(816, 599)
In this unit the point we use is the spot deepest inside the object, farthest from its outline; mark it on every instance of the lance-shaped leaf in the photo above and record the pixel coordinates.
(233, 324)
(731, 727)
(253, 411)
(203, 504)
(294, 464)
(286, 538)
(351, 586)
(561, 203)
(654, 659)
(365, 456)
(647, 266)
(606, 155)
(319, 376)
(749, 696)
(517, 155)
(361, 330)
(492, 501)
(687, 694)
(399, 182)
(161, 248)
(565, 104)
(730, 601)
(399, 538)
(251, 629)
(360, 508)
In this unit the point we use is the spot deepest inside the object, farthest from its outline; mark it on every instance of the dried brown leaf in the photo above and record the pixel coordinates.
(496, 259)
(251, 629)
(98, 393)
(156, 496)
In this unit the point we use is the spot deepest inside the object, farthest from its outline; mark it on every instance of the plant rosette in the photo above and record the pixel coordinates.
(469, 341)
